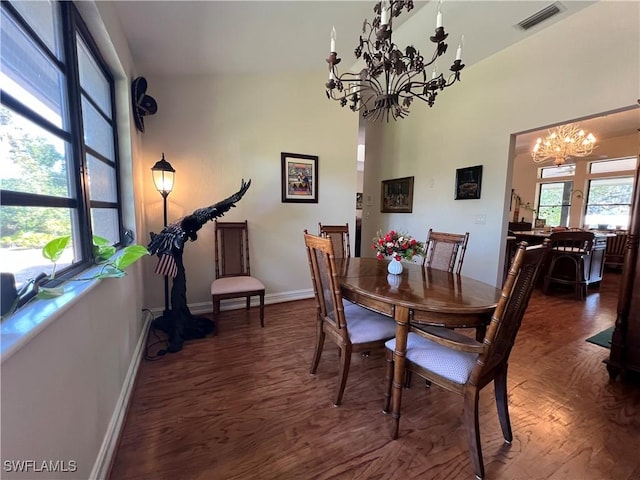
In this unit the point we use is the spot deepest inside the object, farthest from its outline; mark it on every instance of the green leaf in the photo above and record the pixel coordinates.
(100, 241)
(44, 292)
(130, 255)
(55, 247)
(103, 253)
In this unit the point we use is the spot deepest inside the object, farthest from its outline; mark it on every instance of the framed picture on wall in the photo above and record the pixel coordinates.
(299, 178)
(468, 182)
(397, 195)
(359, 201)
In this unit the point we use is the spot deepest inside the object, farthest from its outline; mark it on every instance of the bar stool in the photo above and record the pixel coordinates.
(568, 252)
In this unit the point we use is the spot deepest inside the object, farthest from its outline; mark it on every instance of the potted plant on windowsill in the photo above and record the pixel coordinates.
(112, 262)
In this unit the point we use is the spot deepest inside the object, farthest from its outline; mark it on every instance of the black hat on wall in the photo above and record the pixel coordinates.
(143, 104)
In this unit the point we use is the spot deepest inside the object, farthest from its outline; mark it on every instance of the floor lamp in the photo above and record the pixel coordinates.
(163, 177)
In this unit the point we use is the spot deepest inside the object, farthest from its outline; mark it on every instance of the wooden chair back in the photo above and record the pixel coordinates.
(326, 286)
(507, 317)
(614, 254)
(339, 235)
(232, 249)
(442, 249)
(574, 242)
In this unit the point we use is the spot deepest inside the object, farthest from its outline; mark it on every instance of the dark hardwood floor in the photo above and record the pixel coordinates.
(242, 405)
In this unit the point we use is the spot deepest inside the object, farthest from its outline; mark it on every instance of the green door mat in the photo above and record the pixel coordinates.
(603, 338)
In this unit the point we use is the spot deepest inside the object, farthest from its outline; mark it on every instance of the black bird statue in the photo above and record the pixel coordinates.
(178, 322)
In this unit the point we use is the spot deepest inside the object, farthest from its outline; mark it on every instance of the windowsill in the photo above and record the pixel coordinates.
(18, 329)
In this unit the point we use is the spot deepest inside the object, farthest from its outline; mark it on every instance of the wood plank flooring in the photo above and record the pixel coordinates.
(242, 406)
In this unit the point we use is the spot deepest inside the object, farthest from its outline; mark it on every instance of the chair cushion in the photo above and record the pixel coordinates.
(243, 283)
(367, 326)
(446, 362)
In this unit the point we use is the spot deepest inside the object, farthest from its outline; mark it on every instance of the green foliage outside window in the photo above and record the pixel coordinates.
(32, 166)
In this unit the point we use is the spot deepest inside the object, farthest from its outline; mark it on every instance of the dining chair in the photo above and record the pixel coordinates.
(614, 252)
(442, 249)
(569, 252)
(461, 364)
(339, 235)
(351, 327)
(233, 277)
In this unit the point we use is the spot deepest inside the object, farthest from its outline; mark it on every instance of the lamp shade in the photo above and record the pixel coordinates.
(163, 176)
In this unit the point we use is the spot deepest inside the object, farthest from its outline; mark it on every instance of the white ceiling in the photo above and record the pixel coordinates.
(226, 37)
(217, 37)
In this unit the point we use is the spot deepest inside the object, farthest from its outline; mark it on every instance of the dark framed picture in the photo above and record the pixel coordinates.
(299, 178)
(359, 201)
(468, 182)
(397, 195)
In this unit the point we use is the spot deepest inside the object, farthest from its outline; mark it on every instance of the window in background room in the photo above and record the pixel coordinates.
(554, 202)
(59, 171)
(566, 170)
(609, 194)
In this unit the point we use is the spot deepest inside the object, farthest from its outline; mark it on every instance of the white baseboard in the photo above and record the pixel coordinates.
(107, 450)
(237, 303)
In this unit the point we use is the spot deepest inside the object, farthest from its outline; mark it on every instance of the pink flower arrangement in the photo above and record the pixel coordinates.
(397, 245)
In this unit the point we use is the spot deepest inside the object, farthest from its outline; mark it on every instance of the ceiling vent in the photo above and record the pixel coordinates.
(541, 16)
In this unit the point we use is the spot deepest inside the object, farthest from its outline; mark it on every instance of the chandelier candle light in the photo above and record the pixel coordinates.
(392, 77)
(564, 142)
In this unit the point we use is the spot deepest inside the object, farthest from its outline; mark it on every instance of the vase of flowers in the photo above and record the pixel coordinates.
(398, 246)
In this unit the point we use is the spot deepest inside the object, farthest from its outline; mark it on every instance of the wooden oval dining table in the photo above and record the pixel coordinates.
(418, 295)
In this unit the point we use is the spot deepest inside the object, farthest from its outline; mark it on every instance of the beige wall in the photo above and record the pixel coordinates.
(568, 70)
(216, 131)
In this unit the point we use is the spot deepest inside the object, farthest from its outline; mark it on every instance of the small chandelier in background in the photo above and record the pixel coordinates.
(392, 77)
(563, 142)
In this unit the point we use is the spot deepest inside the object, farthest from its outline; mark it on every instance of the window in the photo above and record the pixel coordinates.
(59, 172)
(554, 202)
(609, 190)
(566, 170)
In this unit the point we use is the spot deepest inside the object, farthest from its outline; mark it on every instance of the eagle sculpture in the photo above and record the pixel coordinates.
(168, 245)
(172, 237)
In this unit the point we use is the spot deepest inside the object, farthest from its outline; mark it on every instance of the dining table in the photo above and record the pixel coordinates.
(418, 295)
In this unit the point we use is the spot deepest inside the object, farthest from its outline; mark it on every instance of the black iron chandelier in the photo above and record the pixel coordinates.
(392, 78)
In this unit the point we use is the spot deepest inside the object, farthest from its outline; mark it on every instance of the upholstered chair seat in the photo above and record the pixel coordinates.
(453, 365)
(223, 286)
(365, 326)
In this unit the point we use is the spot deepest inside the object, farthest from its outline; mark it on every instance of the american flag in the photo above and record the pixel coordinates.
(167, 266)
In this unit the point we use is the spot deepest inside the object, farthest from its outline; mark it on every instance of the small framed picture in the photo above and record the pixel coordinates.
(540, 222)
(468, 182)
(359, 201)
(397, 195)
(299, 178)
